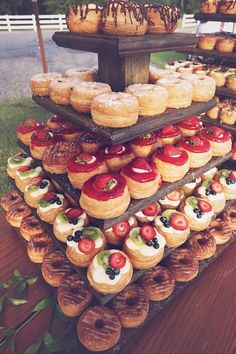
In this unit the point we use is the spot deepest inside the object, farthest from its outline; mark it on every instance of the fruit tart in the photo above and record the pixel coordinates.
(42, 139)
(220, 140)
(210, 174)
(84, 244)
(37, 188)
(199, 150)
(174, 226)
(50, 205)
(117, 233)
(144, 246)
(27, 128)
(83, 166)
(144, 145)
(55, 122)
(25, 175)
(15, 162)
(213, 191)
(169, 135)
(172, 200)
(105, 196)
(142, 180)
(227, 179)
(190, 187)
(190, 126)
(110, 271)
(148, 214)
(116, 156)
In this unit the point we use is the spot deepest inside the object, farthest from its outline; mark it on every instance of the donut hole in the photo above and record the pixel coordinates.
(74, 290)
(218, 228)
(158, 279)
(99, 324)
(57, 264)
(183, 261)
(202, 241)
(131, 301)
(233, 214)
(20, 209)
(42, 244)
(33, 224)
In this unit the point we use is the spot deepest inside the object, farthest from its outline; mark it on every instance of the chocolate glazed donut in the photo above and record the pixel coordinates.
(183, 264)
(17, 213)
(30, 227)
(220, 229)
(202, 244)
(10, 199)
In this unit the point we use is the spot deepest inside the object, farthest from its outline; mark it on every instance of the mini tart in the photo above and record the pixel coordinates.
(141, 178)
(50, 205)
(219, 139)
(90, 144)
(55, 122)
(169, 135)
(174, 226)
(213, 191)
(180, 92)
(202, 244)
(227, 179)
(190, 187)
(172, 162)
(219, 75)
(183, 264)
(17, 213)
(37, 188)
(144, 145)
(30, 226)
(83, 74)
(67, 221)
(9, 199)
(40, 140)
(84, 244)
(199, 150)
(221, 229)
(231, 82)
(210, 174)
(198, 211)
(110, 271)
(38, 246)
(162, 18)
(148, 214)
(15, 162)
(70, 133)
(116, 156)
(144, 246)
(105, 196)
(27, 128)
(83, 18)
(26, 174)
(60, 89)
(117, 233)
(40, 83)
(228, 115)
(83, 166)
(190, 126)
(172, 200)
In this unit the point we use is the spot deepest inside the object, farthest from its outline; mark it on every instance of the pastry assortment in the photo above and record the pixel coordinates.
(224, 111)
(220, 6)
(220, 41)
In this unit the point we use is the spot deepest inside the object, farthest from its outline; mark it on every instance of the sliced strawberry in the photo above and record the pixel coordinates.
(24, 168)
(147, 232)
(204, 206)
(142, 164)
(42, 134)
(117, 260)
(101, 181)
(172, 151)
(217, 187)
(150, 210)
(84, 157)
(49, 196)
(218, 131)
(149, 136)
(74, 213)
(175, 195)
(121, 229)
(179, 222)
(232, 175)
(116, 149)
(86, 245)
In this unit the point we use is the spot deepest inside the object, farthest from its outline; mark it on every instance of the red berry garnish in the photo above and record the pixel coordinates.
(232, 175)
(86, 245)
(217, 187)
(204, 206)
(30, 122)
(49, 196)
(74, 213)
(147, 232)
(24, 168)
(179, 222)
(121, 229)
(142, 164)
(104, 182)
(117, 260)
(43, 134)
(150, 210)
(172, 151)
(84, 157)
(116, 149)
(175, 195)
(169, 129)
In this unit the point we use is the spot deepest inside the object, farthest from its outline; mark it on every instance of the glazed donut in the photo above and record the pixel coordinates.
(207, 41)
(227, 7)
(38, 246)
(131, 305)
(83, 93)
(40, 83)
(157, 73)
(73, 295)
(229, 215)
(152, 99)
(83, 18)
(55, 268)
(17, 213)
(82, 74)
(225, 44)
(209, 6)
(221, 229)
(162, 18)
(90, 144)
(204, 87)
(60, 89)
(202, 244)
(27, 128)
(115, 110)
(98, 328)
(183, 264)
(30, 227)
(180, 92)
(9, 199)
(55, 122)
(158, 283)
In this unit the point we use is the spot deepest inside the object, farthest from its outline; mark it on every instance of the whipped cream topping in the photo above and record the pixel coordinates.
(98, 243)
(219, 196)
(168, 230)
(188, 210)
(230, 187)
(66, 227)
(131, 221)
(93, 159)
(35, 172)
(144, 249)
(26, 162)
(139, 170)
(40, 191)
(118, 153)
(140, 214)
(52, 206)
(210, 172)
(192, 185)
(166, 201)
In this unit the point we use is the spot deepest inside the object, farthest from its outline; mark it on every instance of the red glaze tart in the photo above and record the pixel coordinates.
(199, 150)
(40, 140)
(70, 132)
(169, 135)
(55, 122)
(116, 156)
(105, 196)
(190, 126)
(144, 145)
(220, 140)
(27, 128)
(90, 144)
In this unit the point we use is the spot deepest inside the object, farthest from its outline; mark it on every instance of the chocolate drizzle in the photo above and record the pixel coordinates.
(81, 9)
(209, 3)
(168, 14)
(230, 4)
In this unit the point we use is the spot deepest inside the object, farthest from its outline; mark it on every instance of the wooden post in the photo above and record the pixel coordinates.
(40, 38)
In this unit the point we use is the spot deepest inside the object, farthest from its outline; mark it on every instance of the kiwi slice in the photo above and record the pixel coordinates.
(103, 258)
(91, 232)
(135, 236)
(207, 183)
(16, 160)
(224, 173)
(63, 219)
(167, 213)
(193, 201)
(33, 188)
(26, 173)
(44, 203)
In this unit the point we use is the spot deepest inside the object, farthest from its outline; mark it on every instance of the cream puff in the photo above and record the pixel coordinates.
(83, 245)
(25, 175)
(199, 150)
(40, 140)
(50, 205)
(213, 191)
(172, 162)
(174, 226)
(172, 200)
(36, 190)
(148, 214)
(190, 187)
(117, 233)
(210, 174)
(227, 179)
(144, 145)
(220, 140)
(190, 126)
(116, 156)
(27, 128)
(169, 135)
(15, 162)
(142, 180)
(110, 271)
(144, 246)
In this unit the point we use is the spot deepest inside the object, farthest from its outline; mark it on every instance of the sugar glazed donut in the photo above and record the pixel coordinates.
(55, 267)
(40, 83)
(180, 92)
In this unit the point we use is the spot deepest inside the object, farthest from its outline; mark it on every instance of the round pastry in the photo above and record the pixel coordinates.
(148, 214)
(190, 126)
(157, 73)
(219, 139)
(225, 44)
(105, 196)
(84, 166)
(17, 213)
(116, 156)
(131, 305)
(219, 75)
(172, 162)
(67, 221)
(30, 226)
(227, 7)
(186, 69)
(173, 65)
(144, 145)
(213, 113)
(83, 18)
(98, 328)
(142, 180)
(210, 174)
(228, 114)
(9, 199)
(55, 122)
(26, 174)
(204, 87)
(50, 205)
(40, 83)
(180, 92)
(162, 18)
(83, 74)
(110, 271)
(174, 226)
(73, 295)
(183, 264)
(90, 144)
(27, 128)
(42, 139)
(207, 41)
(115, 110)
(55, 268)
(199, 213)
(60, 89)
(213, 191)
(202, 245)
(199, 150)
(144, 246)
(209, 6)
(152, 99)
(172, 200)
(170, 134)
(15, 162)
(158, 283)
(84, 92)
(56, 156)
(69, 132)
(231, 82)
(221, 229)
(84, 244)
(122, 18)
(38, 246)
(229, 215)
(227, 179)
(117, 233)
(190, 187)
(36, 190)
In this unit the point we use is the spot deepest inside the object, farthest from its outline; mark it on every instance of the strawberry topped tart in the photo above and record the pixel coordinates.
(190, 187)
(40, 140)
(190, 126)
(142, 180)
(27, 128)
(116, 156)
(172, 200)
(172, 162)
(220, 140)
(213, 191)
(83, 166)
(148, 213)
(169, 135)
(228, 180)
(17, 161)
(37, 188)
(105, 196)
(199, 150)
(50, 205)
(144, 145)
(117, 233)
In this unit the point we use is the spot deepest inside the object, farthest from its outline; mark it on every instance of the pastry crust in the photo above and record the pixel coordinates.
(231, 81)
(12, 169)
(40, 83)
(209, 6)
(204, 87)
(9, 199)
(170, 172)
(26, 129)
(23, 181)
(183, 264)
(17, 213)
(202, 244)
(229, 216)
(140, 190)
(50, 215)
(83, 18)
(228, 115)
(30, 227)
(227, 7)
(111, 236)
(219, 76)
(180, 92)
(225, 44)
(60, 89)
(38, 246)
(220, 149)
(197, 160)
(77, 179)
(207, 41)
(30, 198)
(162, 18)
(175, 239)
(221, 229)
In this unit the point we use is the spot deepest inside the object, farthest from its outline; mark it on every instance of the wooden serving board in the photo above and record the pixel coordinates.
(215, 54)
(215, 17)
(225, 92)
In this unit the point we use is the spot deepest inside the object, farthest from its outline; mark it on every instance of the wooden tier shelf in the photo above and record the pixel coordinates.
(121, 135)
(226, 57)
(209, 121)
(215, 17)
(225, 92)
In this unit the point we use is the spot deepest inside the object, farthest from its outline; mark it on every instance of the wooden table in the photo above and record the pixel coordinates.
(201, 319)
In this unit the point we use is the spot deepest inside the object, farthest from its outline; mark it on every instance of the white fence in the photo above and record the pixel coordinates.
(188, 21)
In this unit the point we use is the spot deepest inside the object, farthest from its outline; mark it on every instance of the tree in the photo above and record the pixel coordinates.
(18, 7)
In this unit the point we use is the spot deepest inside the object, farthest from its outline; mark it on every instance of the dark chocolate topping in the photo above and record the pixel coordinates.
(82, 9)
(168, 14)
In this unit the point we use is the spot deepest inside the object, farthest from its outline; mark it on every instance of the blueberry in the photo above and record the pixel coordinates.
(213, 192)
(200, 212)
(109, 271)
(162, 198)
(199, 216)
(76, 238)
(52, 201)
(78, 233)
(74, 221)
(25, 155)
(193, 181)
(228, 182)
(195, 210)
(116, 271)
(207, 193)
(156, 245)
(167, 224)
(232, 181)
(162, 219)
(42, 185)
(112, 276)
(70, 221)
(70, 238)
(59, 202)
(149, 243)
(227, 179)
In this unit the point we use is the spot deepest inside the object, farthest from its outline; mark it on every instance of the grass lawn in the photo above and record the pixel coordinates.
(160, 58)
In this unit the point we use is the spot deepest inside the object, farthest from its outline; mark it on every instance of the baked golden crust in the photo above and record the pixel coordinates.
(39, 83)
(221, 229)
(77, 179)
(60, 89)
(204, 87)
(83, 18)
(207, 41)
(180, 92)
(30, 227)
(202, 244)
(9, 199)
(38, 246)
(17, 213)
(162, 18)
(183, 264)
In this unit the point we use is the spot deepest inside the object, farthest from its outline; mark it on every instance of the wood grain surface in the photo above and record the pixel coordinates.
(225, 92)
(215, 17)
(215, 54)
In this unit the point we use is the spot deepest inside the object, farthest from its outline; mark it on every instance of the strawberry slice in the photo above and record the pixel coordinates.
(147, 232)
(150, 210)
(116, 149)
(49, 196)
(104, 181)
(204, 206)
(175, 195)
(179, 222)
(172, 151)
(121, 229)
(84, 157)
(43, 134)
(86, 245)
(218, 131)
(142, 164)
(74, 213)
(217, 187)
(24, 168)
(232, 175)
(117, 260)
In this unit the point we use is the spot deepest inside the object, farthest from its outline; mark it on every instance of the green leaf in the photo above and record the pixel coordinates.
(17, 302)
(3, 347)
(2, 300)
(4, 285)
(6, 331)
(33, 348)
(31, 281)
(43, 304)
(12, 345)
(17, 273)
(20, 288)
(54, 344)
